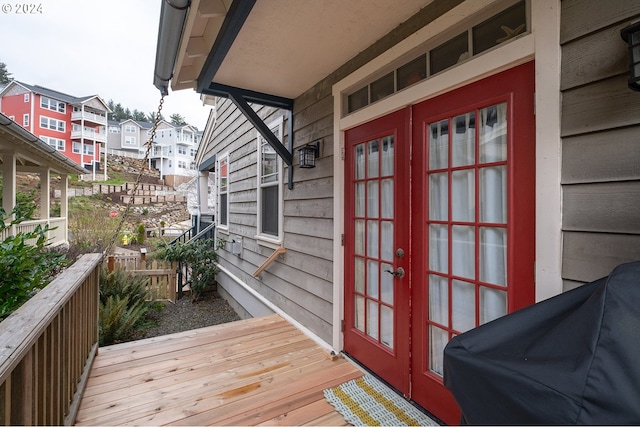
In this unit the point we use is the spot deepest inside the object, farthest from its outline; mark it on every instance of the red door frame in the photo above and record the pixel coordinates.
(516, 87)
(391, 365)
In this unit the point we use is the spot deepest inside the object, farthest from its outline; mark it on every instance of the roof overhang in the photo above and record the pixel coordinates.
(280, 48)
(31, 152)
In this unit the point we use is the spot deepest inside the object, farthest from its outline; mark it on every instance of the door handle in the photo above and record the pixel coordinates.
(398, 273)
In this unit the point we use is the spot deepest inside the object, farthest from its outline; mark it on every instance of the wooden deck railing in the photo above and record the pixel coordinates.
(57, 232)
(47, 347)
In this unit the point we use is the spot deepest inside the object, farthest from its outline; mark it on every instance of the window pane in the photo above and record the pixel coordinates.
(359, 237)
(373, 170)
(493, 304)
(463, 306)
(438, 248)
(386, 326)
(463, 150)
(372, 319)
(386, 241)
(439, 145)
(493, 133)
(438, 197)
(386, 284)
(223, 209)
(359, 196)
(449, 53)
(372, 239)
(382, 87)
(412, 72)
(359, 313)
(372, 199)
(372, 279)
(269, 212)
(463, 251)
(463, 206)
(386, 204)
(438, 300)
(359, 161)
(500, 28)
(437, 341)
(358, 273)
(493, 194)
(388, 156)
(493, 255)
(358, 99)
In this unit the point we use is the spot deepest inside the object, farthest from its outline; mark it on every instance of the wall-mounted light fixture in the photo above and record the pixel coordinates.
(631, 35)
(308, 154)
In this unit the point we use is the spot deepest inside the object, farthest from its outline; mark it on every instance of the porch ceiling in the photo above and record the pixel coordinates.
(283, 47)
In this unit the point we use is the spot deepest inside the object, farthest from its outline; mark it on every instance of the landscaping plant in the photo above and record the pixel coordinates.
(200, 256)
(27, 264)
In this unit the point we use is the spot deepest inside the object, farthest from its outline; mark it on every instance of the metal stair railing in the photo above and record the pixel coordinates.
(183, 269)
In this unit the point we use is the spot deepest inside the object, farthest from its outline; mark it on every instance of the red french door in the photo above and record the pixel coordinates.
(376, 243)
(443, 241)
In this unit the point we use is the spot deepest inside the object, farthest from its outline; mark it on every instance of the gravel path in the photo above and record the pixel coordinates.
(184, 315)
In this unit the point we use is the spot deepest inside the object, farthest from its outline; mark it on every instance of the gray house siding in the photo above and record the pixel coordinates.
(600, 152)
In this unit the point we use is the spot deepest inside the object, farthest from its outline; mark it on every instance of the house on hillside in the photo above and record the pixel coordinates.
(23, 152)
(392, 174)
(75, 126)
(172, 152)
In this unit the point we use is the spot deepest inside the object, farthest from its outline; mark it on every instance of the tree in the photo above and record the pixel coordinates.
(139, 116)
(152, 116)
(177, 119)
(5, 76)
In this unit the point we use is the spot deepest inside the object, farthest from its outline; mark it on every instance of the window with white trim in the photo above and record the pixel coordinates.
(56, 143)
(53, 124)
(182, 149)
(52, 104)
(270, 185)
(25, 120)
(86, 148)
(223, 191)
(26, 97)
(130, 140)
(129, 129)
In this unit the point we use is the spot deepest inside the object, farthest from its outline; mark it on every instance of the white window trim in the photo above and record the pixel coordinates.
(64, 124)
(224, 156)
(25, 120)
(545, 25)
(263, 238)
(130, 140)
(26, 97)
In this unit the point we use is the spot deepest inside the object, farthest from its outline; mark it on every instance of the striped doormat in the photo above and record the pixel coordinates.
(366, 401)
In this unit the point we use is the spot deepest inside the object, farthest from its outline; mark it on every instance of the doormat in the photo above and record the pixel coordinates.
(366, 401)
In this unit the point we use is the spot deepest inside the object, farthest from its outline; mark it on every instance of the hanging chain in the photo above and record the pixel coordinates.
(127, 209)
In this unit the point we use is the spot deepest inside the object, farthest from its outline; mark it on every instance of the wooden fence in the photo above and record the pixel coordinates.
(162, 275)
(47, 349)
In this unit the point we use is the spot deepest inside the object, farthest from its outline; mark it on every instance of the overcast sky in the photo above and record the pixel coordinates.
(92, 47)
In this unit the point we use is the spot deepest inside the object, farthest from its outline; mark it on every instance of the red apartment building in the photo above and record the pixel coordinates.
(74, 126)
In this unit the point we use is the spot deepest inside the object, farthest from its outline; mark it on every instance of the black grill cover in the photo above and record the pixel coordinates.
(572, 359)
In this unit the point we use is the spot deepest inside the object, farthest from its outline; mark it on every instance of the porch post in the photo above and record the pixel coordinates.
(9, 181)
(64, 203)
(45, 188)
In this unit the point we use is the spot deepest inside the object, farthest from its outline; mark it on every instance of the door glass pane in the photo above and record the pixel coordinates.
(463, 305)
(386, 284)
(372, 239)
(374, 159)
(388, 156)
(386, 326)
(438, 248)
(437, 341)
(463, 149)
(358, 274)
(493, 194)
(493, 304)
(358, 238)
(386, 241)
(463, 188)
(463, 251)
(439, 145)
(372, 279)
(493, 255)
(386, 204)
(438, 299)
(359, 199)
(493, 133)
(372, 199)
(358, 158)
(372, 319)
(438, 197)
(359, 313)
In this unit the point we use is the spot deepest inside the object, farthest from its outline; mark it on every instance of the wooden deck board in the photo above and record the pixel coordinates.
(255, 371)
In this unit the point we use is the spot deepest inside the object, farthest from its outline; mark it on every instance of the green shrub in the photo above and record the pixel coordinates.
(200, 255)
(123, 306)
(141, 232)
(27, 264)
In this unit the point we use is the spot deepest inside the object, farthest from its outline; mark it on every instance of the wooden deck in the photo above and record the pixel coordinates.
(260, 371)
